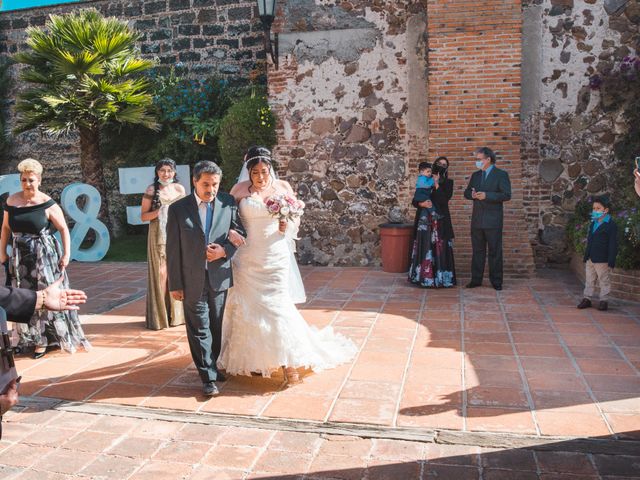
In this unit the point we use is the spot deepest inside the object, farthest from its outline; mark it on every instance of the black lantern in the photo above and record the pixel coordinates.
(267, 12)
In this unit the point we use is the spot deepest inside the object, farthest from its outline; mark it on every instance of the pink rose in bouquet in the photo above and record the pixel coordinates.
(285, 207)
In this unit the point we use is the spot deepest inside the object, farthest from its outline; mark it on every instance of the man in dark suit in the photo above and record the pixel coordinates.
(199, 253)
(20, 304)
(489, 187)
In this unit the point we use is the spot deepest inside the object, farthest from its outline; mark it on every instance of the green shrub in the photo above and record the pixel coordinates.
(184, 108)
(247, 122)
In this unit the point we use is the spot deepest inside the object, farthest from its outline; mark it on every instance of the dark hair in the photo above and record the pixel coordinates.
(487, 152)
(205, 166)
(442, 157)
(257, 151)
(257, 154)
(602, 200)
(165, 162)
(441, 171)
(424, 166)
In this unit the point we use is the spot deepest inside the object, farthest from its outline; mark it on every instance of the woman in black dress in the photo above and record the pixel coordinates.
(432, 261)
(37, 260)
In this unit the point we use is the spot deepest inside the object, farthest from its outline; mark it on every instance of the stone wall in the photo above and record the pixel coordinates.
(204, 37)
(362, 102)
(351, 98)
(568, 131)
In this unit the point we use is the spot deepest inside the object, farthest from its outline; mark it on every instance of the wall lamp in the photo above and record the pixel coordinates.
(267, 12)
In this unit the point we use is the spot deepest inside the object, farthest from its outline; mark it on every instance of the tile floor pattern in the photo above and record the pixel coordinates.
(523, 360)
(108, 284)
(52, 445)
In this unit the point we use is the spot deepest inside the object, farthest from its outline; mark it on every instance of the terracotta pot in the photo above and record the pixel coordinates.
(395, 239)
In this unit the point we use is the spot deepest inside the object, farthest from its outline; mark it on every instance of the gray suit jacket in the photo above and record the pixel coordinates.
(488, 213)
(186, 246)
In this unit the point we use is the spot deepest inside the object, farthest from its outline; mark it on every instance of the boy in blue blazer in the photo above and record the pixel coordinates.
(600, 255)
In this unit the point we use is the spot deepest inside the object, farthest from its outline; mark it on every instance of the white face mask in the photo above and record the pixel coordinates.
(164, 184)
(479, 164)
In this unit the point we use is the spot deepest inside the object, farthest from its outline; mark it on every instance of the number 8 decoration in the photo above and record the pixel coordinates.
(86, 219)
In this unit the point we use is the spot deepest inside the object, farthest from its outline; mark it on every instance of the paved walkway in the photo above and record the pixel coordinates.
(521, 362)
(52, 445)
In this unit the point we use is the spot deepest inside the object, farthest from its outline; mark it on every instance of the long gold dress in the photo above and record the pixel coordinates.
(162, 310)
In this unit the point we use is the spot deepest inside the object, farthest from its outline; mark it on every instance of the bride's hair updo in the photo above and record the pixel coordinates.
(256, 155)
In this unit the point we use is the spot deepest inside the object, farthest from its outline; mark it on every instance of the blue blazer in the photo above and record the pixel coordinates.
(602, 245)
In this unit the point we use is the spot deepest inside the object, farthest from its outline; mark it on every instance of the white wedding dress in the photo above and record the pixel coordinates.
(262, 328)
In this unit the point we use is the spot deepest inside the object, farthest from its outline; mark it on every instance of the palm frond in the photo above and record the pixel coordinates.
(83, 70)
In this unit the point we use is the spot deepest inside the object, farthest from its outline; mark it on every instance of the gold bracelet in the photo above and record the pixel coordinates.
(44, 298)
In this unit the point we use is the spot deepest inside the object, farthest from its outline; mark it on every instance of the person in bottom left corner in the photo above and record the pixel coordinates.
(20, 305)
(38, 260)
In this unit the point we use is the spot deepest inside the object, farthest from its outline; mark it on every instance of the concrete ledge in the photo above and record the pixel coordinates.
(606, 445)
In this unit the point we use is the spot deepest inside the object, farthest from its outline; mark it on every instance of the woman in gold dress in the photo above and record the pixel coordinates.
(162, 310)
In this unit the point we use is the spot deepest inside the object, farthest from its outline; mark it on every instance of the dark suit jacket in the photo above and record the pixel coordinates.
(186, 245)
(19, 303)
(602, 245)
(488, 213)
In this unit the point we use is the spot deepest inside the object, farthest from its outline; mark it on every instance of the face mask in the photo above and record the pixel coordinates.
(164, 184)
(596, 215)
(479, 164)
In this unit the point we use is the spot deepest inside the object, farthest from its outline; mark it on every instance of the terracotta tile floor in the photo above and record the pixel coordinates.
(152, 449)
(522, 360)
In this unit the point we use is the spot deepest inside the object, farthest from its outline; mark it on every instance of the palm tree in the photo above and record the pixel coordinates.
(83, 72)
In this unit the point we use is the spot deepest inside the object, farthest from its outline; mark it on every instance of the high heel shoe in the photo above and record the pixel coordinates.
(39, 354)
(291, 376)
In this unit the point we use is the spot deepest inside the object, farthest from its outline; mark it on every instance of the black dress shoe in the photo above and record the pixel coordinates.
(584, 303)
(209, 389)
(603, 305)
(498, 287)
(472, 285)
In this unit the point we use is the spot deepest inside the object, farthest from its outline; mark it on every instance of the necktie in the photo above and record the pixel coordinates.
(208, 221)
(484, 175)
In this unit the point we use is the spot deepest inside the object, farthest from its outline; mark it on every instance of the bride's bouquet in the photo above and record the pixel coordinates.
(284, 207)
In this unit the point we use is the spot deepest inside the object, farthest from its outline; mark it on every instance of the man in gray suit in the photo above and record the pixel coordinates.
(489, 187)
(199, 253)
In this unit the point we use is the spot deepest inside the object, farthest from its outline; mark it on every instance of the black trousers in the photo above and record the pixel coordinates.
(481, 239)
(204, 331)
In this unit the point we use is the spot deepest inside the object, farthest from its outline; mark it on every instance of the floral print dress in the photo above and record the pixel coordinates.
(35, 259)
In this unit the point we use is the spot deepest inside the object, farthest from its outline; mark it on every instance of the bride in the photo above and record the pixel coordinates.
(262, 329)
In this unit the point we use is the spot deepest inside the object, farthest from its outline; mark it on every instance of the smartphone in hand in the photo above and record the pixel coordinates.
(638, 163)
